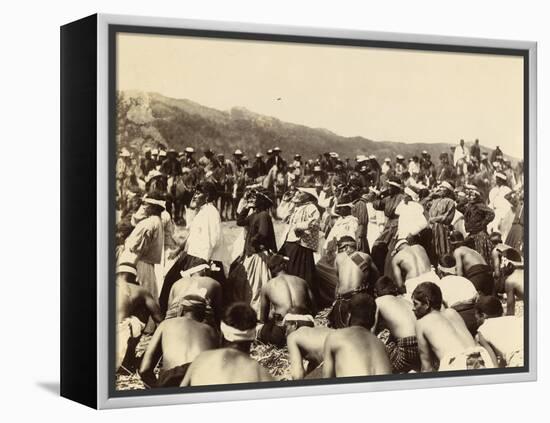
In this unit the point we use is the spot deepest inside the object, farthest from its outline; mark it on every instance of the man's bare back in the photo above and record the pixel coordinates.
(410, 262)
(443, 333)
(193, 285)
(284, 292)
(306, 343)
(354, 351)
(466, 257)
(350, 276)
(184, 339)
(134, 300)
(396, 315)
(222, 366)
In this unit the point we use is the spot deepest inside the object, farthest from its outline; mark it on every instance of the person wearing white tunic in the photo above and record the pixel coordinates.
(345, 224)
(499, 203)
(203, 244)
(460, 153)
(146, 242)
(411, 219)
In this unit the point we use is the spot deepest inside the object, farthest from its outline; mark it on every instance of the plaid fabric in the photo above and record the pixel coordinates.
(403, 354)
(359, 261)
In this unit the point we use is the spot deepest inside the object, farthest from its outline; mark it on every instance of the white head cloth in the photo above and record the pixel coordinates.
(298, 318)
(232, 334)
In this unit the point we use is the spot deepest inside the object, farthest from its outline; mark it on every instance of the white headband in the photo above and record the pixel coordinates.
(298, 318)
(193, 270)
(451, 270)
(232, 334)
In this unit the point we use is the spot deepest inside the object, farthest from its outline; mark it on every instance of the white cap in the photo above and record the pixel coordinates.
(124, 153)
(238, 152)
(189, 150)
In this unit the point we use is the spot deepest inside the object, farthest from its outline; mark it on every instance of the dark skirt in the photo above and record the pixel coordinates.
(482, 244)
(481, 276)
(184, 262)
(515, 237)
(327, 280)
(383, 246)
(301, 263)
(441, 242)
(172, 378)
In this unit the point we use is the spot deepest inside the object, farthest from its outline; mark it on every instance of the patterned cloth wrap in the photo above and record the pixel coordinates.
(403, 354)
(176, 309)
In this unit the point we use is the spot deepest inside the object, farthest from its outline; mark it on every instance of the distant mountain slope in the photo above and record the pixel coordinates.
(143, 119)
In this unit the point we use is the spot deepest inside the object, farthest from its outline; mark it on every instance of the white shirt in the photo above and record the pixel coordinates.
(414, 168)
(504, 333)
(344, 226)
(497, 200)
(460, 153)
(411, 219)
(205, 234)
(456, 289)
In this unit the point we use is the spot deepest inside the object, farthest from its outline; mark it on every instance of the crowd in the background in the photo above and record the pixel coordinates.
(416, 263)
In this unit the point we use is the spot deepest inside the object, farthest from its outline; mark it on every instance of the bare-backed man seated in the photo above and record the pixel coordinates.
(443, 336)
(134, 306)
(356, 274)
(411, 266)
(355, 351)
(231, 363)
(305, 342)
(471, 264)
(178, 341)
(395, 314)
(196, 282)
(278, 296)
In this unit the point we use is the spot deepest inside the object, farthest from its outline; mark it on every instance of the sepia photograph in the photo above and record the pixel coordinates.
(290, 210)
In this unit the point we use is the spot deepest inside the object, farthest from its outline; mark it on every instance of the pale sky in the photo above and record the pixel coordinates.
(380, 94)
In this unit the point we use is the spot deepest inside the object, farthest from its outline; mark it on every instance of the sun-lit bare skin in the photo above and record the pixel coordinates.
(409, 262)
(440, 333)
(283, 292)
(514, 288)
(224, 366)
(350, 276)
(306, 343)
(193, 284)
(134, 300)
(177, 341)
(354, 351)
(466, 257)
(396, 314)
(496, 255)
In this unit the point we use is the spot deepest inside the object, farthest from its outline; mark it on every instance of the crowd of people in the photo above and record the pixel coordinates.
(417, 266)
